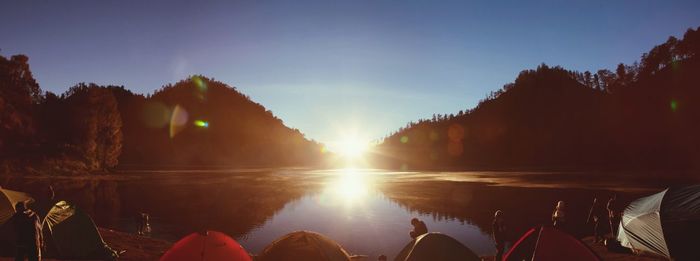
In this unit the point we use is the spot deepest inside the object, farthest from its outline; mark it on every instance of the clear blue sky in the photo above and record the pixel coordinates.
(328, 66)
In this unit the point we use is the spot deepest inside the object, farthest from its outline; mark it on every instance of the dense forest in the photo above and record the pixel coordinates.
(642, 116)
(195, 122)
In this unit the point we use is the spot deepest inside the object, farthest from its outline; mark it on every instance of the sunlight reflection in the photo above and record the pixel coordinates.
(349, 186)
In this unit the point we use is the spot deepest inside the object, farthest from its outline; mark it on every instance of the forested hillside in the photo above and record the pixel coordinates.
(642, 116)
(197, 122)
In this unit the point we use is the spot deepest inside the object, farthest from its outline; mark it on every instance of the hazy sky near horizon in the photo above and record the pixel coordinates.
(332, 67)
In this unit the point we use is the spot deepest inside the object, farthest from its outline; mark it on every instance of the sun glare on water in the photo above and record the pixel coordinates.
(349, 186)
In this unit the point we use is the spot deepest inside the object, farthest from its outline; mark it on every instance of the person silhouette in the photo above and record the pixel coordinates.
(559, 216)
(29, 239)
(419, 228)
(499, 233)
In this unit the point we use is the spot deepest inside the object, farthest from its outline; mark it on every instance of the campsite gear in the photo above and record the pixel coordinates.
(8, 200)
(666, 223)
(304, 245)
(70, 233)
(206, 246)
(612, 245)
(547, 243)
(435, 247)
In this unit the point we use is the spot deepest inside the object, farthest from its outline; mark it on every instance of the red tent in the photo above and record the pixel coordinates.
(547, 243)
(207, 246)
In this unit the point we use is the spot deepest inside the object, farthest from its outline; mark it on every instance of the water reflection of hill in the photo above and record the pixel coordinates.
(178, 204)
(238, 202)
(475, 203)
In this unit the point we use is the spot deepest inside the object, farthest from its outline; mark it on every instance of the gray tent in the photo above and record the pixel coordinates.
(666, 224)
(70, 233)
(436, 247)
(304, 245)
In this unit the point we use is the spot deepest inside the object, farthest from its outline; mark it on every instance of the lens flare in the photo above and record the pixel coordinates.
(178, 120)
(201, 124)
(200, 83)
(674, 105)
(155, 114)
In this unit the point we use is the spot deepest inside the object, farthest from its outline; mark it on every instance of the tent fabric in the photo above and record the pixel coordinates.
(8, 199)
(666, 223)
(547, 243)
(304, 245)
(640, 227)
(681, 204)
(553, 244)
(523, 248)
(70, 233)
(207, 246)
(435, 247)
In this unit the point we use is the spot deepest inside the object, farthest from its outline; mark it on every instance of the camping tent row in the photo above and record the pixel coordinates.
(665, 224)
(310, 246)
(68, 231)
(540, 244)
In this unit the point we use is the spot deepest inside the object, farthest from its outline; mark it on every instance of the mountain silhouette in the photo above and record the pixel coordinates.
(642, 116)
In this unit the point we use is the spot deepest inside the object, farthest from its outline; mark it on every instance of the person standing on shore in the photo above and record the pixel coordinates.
(28, 233)
(559, 216)
(613, 214)
(595, 217)
(499, 233)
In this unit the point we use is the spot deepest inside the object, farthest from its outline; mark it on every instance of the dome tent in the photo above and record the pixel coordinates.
(548, 243)
(206, 246)
(435, 247)
(666, 223)
(70, 233)
(8, 199)
(304, 245)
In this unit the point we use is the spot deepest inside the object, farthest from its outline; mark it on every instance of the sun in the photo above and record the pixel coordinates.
(350, 148)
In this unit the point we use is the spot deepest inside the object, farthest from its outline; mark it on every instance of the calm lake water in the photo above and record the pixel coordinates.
(366, 211)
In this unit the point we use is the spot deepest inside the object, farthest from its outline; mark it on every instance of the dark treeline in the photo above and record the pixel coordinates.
(196, 122)
(642, 116)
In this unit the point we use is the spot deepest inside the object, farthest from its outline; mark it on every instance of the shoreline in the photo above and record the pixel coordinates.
(136, 247)
(146, 248)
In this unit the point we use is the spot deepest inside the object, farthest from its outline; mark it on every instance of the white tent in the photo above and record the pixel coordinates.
(666, 223)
